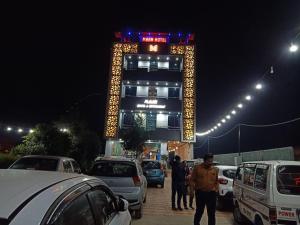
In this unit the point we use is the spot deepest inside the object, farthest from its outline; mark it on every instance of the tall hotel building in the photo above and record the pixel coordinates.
(152, 76)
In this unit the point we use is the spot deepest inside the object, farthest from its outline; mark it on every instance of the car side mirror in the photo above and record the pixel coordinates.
(123, 205)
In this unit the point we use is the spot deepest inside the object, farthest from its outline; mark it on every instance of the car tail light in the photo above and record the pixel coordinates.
(223, 181)
(273, 214)
(137, 180)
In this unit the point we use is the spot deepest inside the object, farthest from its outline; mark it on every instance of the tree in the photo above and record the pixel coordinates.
(86, 144)
(78, 142)
(135, 136)
(45, 140)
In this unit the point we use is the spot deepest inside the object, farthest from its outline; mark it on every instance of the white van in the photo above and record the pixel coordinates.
(267, 192)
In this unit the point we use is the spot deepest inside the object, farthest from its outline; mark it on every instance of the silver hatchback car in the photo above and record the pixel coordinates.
(51, 198)
(125, 177)
(47, 163)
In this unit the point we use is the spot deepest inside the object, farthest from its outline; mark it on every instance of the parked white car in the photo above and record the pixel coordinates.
(225, 177)
(125, 177)
(42, 197)
(48, 163)
(267, 193)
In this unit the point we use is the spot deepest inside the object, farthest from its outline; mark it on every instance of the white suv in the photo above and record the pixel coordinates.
(225, 177)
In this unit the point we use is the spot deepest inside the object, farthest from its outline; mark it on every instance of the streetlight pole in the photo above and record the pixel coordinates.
(239, 139)
(208, 145)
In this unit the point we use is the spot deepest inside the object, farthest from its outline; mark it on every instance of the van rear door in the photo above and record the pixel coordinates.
(287, 189)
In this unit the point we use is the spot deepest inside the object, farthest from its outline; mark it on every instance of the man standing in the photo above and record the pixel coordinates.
(177, 182)
(205, 181)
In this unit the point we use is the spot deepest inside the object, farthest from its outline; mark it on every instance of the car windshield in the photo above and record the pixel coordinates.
(36, 164)
(150, 165)
(288, 180)
(229, 173)
(114, 169)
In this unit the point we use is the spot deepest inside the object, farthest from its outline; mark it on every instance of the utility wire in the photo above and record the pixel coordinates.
(272, 124)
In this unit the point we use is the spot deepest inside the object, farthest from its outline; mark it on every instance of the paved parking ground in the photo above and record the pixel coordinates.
(157, 210)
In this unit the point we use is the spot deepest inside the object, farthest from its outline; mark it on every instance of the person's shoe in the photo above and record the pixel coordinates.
(186, 207)
(191, 207)
(174, 208)
(179, 208)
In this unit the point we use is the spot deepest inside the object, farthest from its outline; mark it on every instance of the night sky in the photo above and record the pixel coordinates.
(53, 55)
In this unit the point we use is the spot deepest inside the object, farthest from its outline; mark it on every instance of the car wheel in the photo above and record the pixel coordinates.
(258, 221)
(237, 215)
(138, 213)
(162, 185)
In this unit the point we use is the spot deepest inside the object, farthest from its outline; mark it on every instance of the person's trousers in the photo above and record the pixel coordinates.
(191, 196)
(177, 188)
(207, 199)
(184, 194)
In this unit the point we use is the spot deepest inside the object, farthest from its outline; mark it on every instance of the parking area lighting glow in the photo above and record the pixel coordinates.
(293, 48)
(258, 86)
(248, 97)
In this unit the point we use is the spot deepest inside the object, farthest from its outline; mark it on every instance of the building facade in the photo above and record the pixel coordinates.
(152, 81)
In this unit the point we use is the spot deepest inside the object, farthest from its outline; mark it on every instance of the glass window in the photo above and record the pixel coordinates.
(151, 165)
(261, 176)
(150, 122)
(36, 164)
(173, 122)
(104, 205)
(132, 64)
(230, 173)
(162, 121)
(288, 180)
(130, 91)
(77, 212)
(128, 119)
(249, 171)
(239, 173)
(76, 167)
(173, 92)
(153, 66)
(67, 166)
(114, 169)
(174, 66)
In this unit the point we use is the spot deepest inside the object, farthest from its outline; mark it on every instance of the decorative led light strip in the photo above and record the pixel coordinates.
(112, 109)
(189, 94)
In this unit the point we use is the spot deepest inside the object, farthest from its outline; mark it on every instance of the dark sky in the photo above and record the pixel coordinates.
(53, 55)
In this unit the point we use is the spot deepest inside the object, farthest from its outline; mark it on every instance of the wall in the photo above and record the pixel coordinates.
(286, 153)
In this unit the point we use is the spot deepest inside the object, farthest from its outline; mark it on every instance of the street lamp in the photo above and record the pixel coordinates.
(293, 48)
(240, 105)
(248, 97)
(8, 129)
(258, 86)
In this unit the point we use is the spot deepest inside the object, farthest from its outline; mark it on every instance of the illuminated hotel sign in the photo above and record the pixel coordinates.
(150, 104)
(154, 39)
(153, 48)
(150, 101)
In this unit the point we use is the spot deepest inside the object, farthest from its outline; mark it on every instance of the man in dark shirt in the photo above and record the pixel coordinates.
(178, 179)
